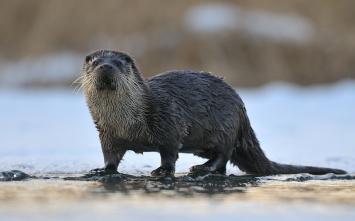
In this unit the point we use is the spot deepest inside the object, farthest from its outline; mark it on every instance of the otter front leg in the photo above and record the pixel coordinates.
(112, 158)
(168, 160)
(112, 151)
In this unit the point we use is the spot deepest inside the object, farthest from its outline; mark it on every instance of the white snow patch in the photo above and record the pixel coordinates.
(220, 17)
(50, 68)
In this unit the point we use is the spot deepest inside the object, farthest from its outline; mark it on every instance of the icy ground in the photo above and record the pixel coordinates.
(48, 131)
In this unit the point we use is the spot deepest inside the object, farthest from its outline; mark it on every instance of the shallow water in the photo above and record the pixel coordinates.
(49, 134)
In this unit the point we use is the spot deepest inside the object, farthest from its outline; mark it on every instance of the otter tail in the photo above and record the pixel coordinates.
(249, 157)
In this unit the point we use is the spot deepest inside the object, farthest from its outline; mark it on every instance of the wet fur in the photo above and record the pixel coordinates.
(177, 111)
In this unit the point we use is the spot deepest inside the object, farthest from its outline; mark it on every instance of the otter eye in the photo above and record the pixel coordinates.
(117, 63)
(95, 63)
(87, 59)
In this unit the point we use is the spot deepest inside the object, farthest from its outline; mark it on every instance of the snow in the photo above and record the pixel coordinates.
(52, 68)
(220, 17)
(50, 131)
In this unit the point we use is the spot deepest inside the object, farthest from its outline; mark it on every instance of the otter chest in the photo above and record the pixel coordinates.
(118, 118)
(123, 127)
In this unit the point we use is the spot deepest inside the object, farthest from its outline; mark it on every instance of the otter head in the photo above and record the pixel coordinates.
(114, 90)
(107, 70)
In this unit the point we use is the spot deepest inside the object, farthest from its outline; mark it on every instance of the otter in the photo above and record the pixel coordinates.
(171, 113)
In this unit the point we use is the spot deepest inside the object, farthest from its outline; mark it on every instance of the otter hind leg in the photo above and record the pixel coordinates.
(216, 165)
(202, 167)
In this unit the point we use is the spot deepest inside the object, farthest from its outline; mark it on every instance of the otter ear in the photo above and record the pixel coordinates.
(88, 58)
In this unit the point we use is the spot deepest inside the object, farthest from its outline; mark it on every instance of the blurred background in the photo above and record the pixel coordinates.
(249, 42)
(292, 62)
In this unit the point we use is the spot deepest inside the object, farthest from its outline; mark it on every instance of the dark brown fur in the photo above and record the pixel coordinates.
(178, 111)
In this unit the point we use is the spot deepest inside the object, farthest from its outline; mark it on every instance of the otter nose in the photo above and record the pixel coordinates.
(105, 74)
(105, 68)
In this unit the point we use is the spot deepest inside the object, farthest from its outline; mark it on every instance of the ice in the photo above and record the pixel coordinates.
(50, 131)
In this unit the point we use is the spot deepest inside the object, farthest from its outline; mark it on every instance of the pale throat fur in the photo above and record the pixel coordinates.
(120, 111)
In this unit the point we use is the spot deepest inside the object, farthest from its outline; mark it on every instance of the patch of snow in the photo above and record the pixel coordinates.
(212, 18)
(51, 68)
(220, 17)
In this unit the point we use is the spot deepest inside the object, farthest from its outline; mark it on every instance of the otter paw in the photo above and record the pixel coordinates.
(163, 171)
(201, 170)
(111, 169)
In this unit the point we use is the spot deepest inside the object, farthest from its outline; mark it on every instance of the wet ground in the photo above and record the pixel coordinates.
(94, 196)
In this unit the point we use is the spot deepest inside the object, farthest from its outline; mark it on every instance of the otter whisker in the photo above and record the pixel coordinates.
(78, 80)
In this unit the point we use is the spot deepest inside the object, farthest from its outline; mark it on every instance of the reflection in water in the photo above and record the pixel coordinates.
(191, 184)
(184, 185)
(98, 196)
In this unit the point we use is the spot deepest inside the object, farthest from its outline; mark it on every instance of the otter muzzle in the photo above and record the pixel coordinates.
(105, 77)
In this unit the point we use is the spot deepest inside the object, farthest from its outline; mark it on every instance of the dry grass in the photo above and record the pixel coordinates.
(152, 31)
